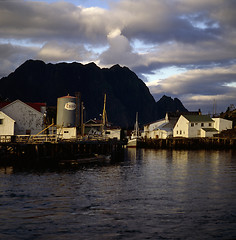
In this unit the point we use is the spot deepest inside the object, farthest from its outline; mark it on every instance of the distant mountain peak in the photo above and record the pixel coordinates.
(36, 81)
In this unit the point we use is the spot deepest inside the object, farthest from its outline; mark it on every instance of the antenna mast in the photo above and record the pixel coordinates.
(104, 114)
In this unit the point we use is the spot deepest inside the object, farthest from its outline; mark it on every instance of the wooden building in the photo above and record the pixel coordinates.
(28, 117)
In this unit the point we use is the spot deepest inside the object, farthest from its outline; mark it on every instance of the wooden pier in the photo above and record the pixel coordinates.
(51, 153)
(190, 143)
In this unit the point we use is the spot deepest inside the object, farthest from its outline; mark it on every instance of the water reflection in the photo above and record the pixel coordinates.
(152, 194)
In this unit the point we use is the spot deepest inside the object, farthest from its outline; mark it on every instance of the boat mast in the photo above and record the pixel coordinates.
(104, 114)
(136, 125)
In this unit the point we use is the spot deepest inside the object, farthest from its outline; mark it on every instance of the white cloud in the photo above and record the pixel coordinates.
(144, 35)
(119, 52)
(54, 51)
(200, 86)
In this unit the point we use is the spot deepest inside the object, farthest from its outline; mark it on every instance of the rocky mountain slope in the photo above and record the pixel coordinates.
(35, 81)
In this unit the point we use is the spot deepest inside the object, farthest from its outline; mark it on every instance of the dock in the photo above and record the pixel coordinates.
(190, 143)
(50, 154)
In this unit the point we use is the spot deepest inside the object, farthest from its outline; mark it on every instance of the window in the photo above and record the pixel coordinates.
(28, 132)
(196, 124)
(66, 131)
(192, 124)
(177, 132)
(1, 121)
(180, 132)
(209, 124)
(202, 124)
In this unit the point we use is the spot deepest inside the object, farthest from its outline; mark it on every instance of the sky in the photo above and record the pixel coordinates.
(179, 48)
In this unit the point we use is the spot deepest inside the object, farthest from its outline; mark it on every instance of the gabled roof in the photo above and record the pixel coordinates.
(178, 114)
(198, 118)
(5, 116)
(37, 106)
(94, 121)
(34, 106)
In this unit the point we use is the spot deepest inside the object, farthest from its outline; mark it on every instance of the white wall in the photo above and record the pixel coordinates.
(222, 124)
(113, 133)
(181, 128)
(67, 133)
(149, 131)
(207, 133)
(6, 124)
(184, 128)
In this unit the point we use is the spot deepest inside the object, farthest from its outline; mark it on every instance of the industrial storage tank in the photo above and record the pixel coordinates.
(66, 111)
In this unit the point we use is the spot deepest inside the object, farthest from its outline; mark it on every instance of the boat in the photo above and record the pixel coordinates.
(135, 138)
(96, 158)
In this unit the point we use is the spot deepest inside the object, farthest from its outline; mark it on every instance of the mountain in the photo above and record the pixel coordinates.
(167, 104)
(35, 81)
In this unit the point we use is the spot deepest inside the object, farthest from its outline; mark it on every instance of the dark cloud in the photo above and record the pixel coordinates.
(11, 56)
(200, 86)
(198, 36)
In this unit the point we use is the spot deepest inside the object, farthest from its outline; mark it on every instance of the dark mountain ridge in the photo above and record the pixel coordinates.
(35, 81)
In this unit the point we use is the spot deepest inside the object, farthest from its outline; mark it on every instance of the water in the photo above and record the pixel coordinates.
(153, 194)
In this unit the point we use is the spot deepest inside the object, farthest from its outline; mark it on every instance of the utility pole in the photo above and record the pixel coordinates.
(82, 119)
(77, 120)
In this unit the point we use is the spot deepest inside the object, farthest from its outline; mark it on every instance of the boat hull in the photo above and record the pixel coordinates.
(133, 143)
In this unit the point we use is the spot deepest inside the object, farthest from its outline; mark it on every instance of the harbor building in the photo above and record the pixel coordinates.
(192, 126)
(28, 117)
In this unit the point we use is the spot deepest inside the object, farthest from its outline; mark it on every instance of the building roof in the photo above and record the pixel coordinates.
(167, 125)
(36, 106)
(94, 121)
(67, 96)
(178, 114)
(198, 118)
(209, 129)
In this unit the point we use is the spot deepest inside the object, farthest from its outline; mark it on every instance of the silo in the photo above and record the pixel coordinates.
(66, 111)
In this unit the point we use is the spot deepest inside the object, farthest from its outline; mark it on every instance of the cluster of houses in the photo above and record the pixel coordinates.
(19, 118)
(186, 125)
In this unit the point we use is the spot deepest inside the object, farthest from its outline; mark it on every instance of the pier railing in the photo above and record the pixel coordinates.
(30, 138)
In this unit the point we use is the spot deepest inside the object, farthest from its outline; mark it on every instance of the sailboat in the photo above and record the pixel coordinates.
(135, 139)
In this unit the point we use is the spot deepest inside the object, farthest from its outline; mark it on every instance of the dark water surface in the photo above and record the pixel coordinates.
(153, 194)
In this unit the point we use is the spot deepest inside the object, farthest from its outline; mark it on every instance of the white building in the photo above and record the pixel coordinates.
(112, 133)
(151, 130)
(28, 117)
(222, 124)
(191, 126)
(67, 133)
(6, 125)
(162, 128)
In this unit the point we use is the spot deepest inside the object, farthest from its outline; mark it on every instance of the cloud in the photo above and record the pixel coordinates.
(119, 52)
(198, 36)
(11, 56)
(200, 86)
(40, 21)
(54, 51)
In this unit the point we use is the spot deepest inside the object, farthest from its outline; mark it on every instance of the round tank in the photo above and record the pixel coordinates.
(66, 111)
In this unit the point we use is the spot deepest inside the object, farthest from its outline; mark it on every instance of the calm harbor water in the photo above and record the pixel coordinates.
(152, 194)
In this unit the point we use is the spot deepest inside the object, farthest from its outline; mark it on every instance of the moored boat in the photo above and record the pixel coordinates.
(135, 138)
(89, 160)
